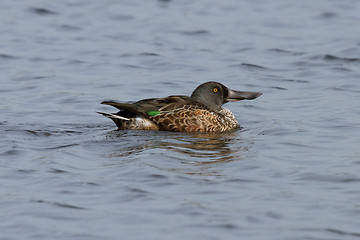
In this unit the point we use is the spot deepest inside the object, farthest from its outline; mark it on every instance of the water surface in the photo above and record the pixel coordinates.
(291, 172)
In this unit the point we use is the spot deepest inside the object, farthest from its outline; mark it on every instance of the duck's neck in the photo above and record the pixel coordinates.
(209, 104)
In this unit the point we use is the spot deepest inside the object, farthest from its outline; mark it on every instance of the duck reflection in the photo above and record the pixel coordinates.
(206, 148)
(180, 152)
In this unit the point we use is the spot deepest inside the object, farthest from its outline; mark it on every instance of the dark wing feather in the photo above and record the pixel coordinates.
(151, 104)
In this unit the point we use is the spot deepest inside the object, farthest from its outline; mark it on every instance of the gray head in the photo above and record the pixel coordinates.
(213, 95)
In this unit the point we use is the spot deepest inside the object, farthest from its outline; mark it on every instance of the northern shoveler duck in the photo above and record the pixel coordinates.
(202, 112)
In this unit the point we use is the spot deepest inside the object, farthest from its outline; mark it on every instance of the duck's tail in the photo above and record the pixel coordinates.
(114, 116)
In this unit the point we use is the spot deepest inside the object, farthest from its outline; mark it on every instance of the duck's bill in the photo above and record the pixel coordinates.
(234, 95)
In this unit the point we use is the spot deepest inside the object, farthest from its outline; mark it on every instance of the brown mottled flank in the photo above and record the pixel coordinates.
(195, 118)
(202, 112)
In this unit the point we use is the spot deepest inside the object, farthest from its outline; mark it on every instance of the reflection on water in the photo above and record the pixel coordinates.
(207, 148)
(185, 153)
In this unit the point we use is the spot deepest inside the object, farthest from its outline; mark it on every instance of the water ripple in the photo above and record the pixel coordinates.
(42, 11)
(8, 56)
(62, 205)
(195, 32)
(329, 57)
(287, 52)
(327, 178)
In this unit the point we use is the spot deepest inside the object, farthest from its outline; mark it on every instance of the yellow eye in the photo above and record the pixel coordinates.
(215, 89)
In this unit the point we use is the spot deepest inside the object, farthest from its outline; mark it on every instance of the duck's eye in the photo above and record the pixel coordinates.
(215, 89)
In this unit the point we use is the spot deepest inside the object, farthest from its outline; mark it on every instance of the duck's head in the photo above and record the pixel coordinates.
(214, 95)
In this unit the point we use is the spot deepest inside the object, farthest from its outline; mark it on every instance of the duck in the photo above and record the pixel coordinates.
(201, 112)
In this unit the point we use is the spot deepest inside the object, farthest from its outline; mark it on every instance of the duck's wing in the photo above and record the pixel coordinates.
(151, 106)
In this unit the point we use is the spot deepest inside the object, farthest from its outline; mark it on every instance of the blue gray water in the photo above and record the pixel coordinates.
(292, 172)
